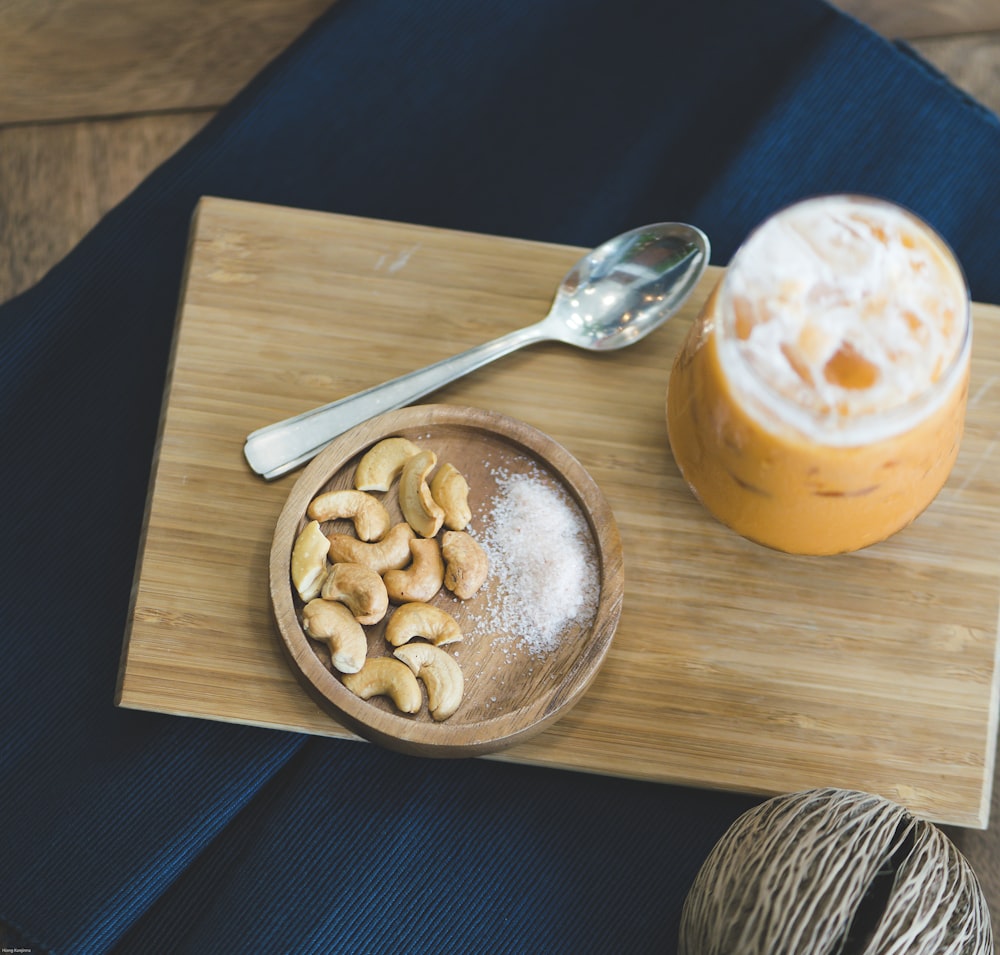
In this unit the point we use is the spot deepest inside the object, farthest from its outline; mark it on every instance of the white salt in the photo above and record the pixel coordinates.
(543, 572)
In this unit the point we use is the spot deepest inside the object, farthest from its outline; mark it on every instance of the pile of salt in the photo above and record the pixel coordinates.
(542, 568)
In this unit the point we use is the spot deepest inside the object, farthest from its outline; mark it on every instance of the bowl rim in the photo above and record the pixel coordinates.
(421, 734)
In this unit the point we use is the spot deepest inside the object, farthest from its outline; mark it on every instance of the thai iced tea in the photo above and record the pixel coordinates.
(818, 402)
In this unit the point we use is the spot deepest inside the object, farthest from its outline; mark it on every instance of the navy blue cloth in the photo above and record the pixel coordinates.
(559, 120)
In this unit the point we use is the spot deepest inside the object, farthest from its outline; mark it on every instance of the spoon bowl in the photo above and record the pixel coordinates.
(613, 297)
(628, 287)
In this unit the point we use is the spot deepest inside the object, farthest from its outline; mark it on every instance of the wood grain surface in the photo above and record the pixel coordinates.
(64, 59)
(57, 181)
(917, 19)
(733, 666)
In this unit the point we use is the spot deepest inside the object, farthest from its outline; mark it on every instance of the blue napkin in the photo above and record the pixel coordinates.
(559, 120)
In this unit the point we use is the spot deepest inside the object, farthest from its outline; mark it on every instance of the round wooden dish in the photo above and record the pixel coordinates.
(511, 690)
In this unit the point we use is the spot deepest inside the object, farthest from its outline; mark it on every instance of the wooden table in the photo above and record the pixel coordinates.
(96, 93)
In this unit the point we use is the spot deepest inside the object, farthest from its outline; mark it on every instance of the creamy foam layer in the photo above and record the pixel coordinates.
(839, 310)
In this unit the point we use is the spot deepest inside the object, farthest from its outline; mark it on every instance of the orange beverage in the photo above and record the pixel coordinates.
(818, 402)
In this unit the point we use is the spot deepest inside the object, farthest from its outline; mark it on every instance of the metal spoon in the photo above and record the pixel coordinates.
(611, 298)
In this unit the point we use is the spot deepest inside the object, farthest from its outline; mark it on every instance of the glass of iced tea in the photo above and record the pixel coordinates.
(818, 402)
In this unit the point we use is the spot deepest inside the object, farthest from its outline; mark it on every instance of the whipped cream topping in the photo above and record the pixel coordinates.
(839, 309)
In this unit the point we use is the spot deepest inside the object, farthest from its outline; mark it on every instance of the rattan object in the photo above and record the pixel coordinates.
(834, 871)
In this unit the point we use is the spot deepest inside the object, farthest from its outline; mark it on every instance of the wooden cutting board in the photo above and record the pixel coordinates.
(733, 666)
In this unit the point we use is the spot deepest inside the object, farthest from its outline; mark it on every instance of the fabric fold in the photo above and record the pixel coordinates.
(862, 115)
(556, 120)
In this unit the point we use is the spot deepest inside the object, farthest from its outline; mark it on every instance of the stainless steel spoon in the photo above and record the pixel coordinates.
(611, 298)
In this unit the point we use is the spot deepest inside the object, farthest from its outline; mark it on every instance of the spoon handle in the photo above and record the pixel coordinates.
(279, 448)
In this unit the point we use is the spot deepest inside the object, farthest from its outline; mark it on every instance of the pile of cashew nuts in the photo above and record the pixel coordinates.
(347, 582)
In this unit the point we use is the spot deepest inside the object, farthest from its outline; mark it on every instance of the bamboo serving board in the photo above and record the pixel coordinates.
(733, 666)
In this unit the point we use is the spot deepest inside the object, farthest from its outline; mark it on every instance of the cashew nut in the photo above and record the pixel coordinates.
(382, 464)
(309, 560)
(422, 579)
(390, 553)
(360, 589)
(384, 676)
(416, 502)
(466, 563)
(451, 491)
(371, 519)
(333, 623)
(440, 673)
(418, 619)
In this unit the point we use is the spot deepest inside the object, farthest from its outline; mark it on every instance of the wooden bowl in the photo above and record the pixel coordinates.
(512, 688)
